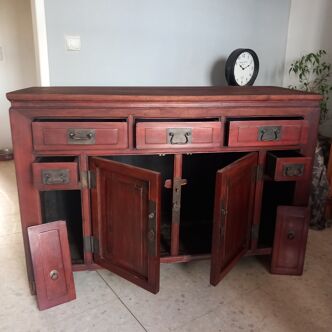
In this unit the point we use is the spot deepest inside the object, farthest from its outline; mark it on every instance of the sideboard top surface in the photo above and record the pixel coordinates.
(160, 94)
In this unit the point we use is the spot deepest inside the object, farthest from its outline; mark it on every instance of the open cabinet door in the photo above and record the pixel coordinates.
(233, 210)
(126, 221)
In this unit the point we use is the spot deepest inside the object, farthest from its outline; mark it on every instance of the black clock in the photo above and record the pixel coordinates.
(242, 67)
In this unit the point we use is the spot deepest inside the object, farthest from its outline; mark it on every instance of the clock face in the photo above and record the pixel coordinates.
(244, 68)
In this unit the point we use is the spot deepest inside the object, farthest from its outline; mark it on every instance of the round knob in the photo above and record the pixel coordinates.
(54, 274)
(151, 215)
(290, 235)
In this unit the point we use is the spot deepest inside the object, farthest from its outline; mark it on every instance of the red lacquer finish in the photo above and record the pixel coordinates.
(51, 264)
(268, 132)
(57, 135)
(240, 128)
(290, 240)
(126, 221)
(233, 212)
(174, 134)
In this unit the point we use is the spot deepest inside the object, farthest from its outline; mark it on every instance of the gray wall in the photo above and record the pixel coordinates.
(163, 42)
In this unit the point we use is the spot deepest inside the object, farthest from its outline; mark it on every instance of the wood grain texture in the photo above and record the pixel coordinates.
(233, 212)
(127, 106)
(154, 135)
(159, 94)
(246, 133)
(70, 167)
(276, 167)
(51, 264)
(54, 135)
(290, 240)
(121, 221)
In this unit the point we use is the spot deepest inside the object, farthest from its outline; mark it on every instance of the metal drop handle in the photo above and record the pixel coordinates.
(185, 138)
(269, 133)
(77, 137)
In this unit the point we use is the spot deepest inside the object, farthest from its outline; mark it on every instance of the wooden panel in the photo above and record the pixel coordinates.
(56, 135)
(51, 264)
(65, 176)
(285, 168)
(234, 199)
(290, 240)
(251, 133)
(153, 135)
(126, 221)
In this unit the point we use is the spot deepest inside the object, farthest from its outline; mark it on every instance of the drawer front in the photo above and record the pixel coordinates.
(55, 176)
(79, 135)
(51, 263)
(155, 135)
(290, 240)
(288, 168)
(268, 133)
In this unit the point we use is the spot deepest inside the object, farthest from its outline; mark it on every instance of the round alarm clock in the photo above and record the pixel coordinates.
(242, 67)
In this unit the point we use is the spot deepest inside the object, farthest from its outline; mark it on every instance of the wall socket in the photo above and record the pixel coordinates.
(73, 43)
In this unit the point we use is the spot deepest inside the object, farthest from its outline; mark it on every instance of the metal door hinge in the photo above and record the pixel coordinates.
(255, 232)
(88, 179)
(152, 221)
(91, 244)
(258, 172)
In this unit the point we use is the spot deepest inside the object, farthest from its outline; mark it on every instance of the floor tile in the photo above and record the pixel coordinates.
(185, 292)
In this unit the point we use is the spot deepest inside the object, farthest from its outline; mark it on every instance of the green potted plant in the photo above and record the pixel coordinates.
(313, 74)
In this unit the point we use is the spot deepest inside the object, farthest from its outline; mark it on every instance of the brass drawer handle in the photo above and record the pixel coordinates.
(293, 170)
(55, 176)
(269, 133)
(179, 135)
(81, 136)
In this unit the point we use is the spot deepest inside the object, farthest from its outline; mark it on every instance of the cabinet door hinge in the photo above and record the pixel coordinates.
(88, 179)
(255, 232)
(152, 236)
(91, 244)
(223, 218)
(257, 174)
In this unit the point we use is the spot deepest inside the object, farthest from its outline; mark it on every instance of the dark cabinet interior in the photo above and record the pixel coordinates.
(66, 205)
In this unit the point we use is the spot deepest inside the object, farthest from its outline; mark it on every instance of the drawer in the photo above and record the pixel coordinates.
(52, 174)
(155, 135)
(79, 135)
(287, 166)
(268, 132)
(290, 240)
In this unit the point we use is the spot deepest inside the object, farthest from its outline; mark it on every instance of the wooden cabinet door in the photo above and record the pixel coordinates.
(233, 210)
(290, 240)
(126, 221)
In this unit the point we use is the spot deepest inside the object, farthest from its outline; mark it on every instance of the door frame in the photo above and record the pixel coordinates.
(40, 41)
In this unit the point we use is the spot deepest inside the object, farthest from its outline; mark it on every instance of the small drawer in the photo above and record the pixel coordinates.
(287, 166)
(156, 135)
(290, 240)
(79, 135)
(268, 132)
(51, 174)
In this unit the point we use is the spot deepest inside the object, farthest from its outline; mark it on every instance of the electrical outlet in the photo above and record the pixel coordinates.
(73, 43)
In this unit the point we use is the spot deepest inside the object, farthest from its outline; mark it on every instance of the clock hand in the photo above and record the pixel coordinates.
(246, 66)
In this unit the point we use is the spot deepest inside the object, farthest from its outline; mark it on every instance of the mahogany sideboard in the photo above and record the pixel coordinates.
(144, 176)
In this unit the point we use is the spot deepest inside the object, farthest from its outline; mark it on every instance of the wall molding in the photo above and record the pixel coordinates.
(40, 41)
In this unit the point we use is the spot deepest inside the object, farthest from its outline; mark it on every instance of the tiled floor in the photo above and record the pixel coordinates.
(249, 299)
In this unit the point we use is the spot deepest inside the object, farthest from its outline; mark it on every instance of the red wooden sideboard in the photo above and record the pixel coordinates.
(144, 176)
